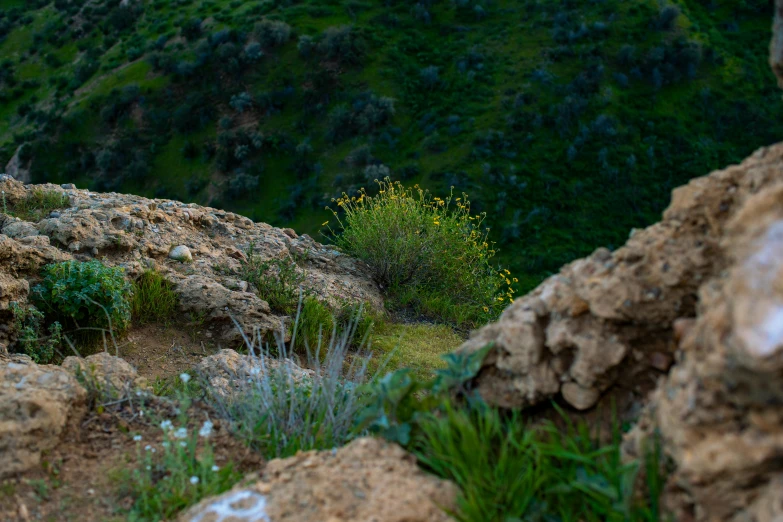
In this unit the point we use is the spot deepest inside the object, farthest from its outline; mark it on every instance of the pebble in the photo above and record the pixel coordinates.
(181, 253)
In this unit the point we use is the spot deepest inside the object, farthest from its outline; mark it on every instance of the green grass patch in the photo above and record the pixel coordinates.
(509, 470)
(415, 346)
(154, 299)
(37, 204)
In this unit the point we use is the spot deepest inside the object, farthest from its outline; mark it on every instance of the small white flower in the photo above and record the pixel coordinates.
(206, 429)
(184, 377)
(215, 468)
(165, 444)
(183, 443)
(166, 425)
(149, 468)
(194, 480)
(153, 450)
(137, 438)
(181, 433)
(147, 447)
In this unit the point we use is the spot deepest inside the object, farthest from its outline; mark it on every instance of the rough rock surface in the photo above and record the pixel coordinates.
(37, 405)
(111, 374)
(138, 233)
(367, 480)
(227, 370)
(719, 411)
(606, 320)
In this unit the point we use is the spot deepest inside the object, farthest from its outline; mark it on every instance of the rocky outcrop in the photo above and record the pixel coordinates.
(228, 371)
(17, 169)
(138, 233)
(719, 410)
(368, 479)
(37, 405)
(606, 321)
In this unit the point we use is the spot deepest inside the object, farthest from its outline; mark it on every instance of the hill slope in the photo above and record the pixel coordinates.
(567, 122)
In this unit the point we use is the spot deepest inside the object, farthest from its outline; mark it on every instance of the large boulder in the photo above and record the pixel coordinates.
(367, 480)
(720, 410)
(606, 321)
(37, 405)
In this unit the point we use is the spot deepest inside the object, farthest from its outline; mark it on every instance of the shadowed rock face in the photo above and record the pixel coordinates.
(137, 233)
(606, 322)
(776, 46)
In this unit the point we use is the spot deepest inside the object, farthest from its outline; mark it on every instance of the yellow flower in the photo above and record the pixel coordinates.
(486, 309)
(324, 223)
(515, 280)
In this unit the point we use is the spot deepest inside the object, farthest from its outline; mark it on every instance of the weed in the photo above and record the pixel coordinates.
(429, 253)
(87, 292)
(154, 299)
(37, 204)
(278, 411)
(277, 281)
(176, 474)
(316, 323)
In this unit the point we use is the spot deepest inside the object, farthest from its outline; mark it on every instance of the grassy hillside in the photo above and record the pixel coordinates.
(568, 122)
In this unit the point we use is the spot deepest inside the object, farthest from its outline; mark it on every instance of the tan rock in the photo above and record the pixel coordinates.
(367, 480)
(37, 405)
(227, 370)
(607, 320)
(111, 374)
(718, 411)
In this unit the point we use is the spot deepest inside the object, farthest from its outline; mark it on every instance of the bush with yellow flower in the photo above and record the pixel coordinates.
(428, 253)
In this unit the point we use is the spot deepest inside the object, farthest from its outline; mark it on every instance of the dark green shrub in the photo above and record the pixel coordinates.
(154, 299)
(88, 294)
(28, 325)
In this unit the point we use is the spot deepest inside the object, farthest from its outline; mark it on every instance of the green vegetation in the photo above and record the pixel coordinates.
(419, 347)
(177, 473)
(509, 470)
(278, 411)
(277, 281)
(28, 326)
(568, 122)
(430, 254)
(154, 299)
(37, 204)
(87, 295)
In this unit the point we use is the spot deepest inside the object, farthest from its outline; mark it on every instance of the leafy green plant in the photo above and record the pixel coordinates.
(28, 325)
(37, 204)
(154, 299)
(279, 282)
(315, 323)
(429, 253)
(87, 294)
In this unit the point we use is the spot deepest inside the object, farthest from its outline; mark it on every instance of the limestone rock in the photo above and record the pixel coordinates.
(110, 373)
(719, 410)
(605, 321)
(181, 253)
(37, 405)
(136, 232)
(227, 370)
(367, 480)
